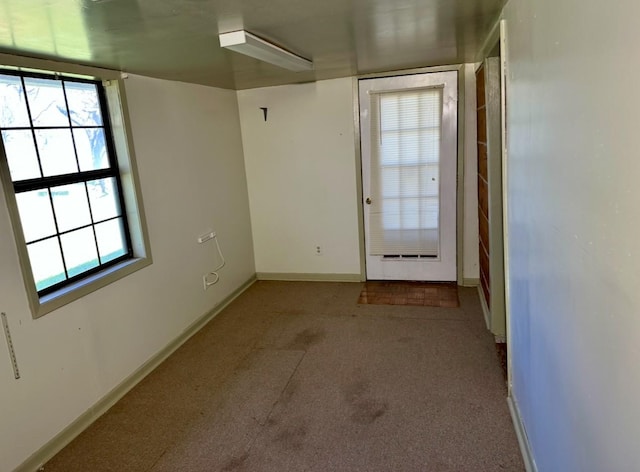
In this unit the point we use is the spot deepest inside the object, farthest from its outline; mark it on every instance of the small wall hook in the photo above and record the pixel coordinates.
(264, 112)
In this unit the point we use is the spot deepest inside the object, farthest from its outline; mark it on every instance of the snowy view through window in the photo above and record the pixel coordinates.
(65, 184)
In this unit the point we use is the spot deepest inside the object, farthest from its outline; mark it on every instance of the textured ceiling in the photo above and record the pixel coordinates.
(177, 39)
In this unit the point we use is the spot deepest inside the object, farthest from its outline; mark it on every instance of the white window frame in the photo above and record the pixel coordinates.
(113, 83)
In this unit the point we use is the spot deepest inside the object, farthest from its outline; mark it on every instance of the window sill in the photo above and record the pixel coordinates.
(40, 306)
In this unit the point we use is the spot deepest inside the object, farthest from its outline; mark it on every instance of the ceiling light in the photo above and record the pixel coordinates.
(250, 45)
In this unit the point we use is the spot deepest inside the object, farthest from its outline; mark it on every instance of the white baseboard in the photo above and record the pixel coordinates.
(470, 282)
(521, 433)
(485, 308)
(307, 277)
(55, 445)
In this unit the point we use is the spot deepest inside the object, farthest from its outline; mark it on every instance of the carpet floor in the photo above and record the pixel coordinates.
(296, 376)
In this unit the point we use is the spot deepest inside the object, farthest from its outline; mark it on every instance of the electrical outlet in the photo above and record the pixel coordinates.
(319, 251)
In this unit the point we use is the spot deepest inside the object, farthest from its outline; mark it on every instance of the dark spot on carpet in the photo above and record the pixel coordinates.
(292, 438)
(288, 392)
(356, 390)
(405, 339)
(234, 463)
(368, 410)
(365, 409)
(307, 338)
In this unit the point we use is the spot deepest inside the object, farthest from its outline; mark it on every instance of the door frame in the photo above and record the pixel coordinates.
(460, 255)
(499, 35)
(505, 194)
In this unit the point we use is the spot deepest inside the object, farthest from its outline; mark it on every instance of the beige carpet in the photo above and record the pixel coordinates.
(298, 377)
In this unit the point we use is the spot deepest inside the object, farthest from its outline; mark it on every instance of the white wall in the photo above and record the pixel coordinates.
(301, 171)
(574, 167)
(189, 154)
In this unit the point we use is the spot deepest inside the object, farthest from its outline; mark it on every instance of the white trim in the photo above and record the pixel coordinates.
(308, 277)
(58, 442)
(460, 173)
(485, 308)
(521, 433)
(32, 64)
(358, 163)
(492, 38)
(505, 200)
(418, 70)
(470, 282)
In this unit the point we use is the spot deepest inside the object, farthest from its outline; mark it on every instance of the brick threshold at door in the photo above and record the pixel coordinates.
(442, 294)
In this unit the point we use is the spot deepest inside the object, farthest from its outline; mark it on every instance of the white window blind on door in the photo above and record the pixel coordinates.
(406, 128)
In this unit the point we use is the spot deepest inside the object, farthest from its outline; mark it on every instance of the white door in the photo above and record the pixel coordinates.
(408, 128)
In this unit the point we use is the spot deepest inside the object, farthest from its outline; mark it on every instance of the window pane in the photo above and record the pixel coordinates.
(46, 102)
(411, 213)
(391, 214)
(21, 154)
(111, 240)
(36, 215)
(430, 176)
(13, 107)
(46, 263)
(408, 147)
(390, 150)
(80, 252)
(389, 113)
(56, 152)
(83, 103)
(430, 146)
(71, 206)
(103, 196)
(410, 181)
(430, 211)
(390, 182)
(92, 148)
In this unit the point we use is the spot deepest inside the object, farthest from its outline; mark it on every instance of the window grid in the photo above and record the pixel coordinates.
(399, 130)
(405, 169)
(47, 183)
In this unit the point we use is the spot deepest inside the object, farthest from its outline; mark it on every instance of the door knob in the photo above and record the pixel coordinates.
(368, 201)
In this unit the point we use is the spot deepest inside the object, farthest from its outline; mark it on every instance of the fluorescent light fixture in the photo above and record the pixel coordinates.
(250, 45)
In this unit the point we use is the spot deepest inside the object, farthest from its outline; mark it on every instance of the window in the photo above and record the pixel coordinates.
(60, 155)
(66, 197)
(406, 130)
